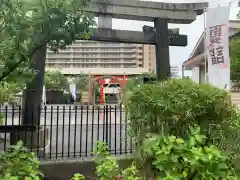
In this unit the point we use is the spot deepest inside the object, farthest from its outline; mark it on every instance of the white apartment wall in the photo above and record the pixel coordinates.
(198, 74)
(202, 74)
(195, 74)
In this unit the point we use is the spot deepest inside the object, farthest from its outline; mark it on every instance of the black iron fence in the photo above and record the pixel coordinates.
(67, 131)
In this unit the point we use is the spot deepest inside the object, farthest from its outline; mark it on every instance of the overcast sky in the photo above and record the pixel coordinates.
(194, 30)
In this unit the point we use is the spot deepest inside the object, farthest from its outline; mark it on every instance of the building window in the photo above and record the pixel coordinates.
(93, 65)
(104, 65)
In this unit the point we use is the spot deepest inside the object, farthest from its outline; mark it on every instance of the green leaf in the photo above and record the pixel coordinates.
(174, 158)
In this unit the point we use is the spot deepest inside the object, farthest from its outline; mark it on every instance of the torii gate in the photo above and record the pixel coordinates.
(159, 13)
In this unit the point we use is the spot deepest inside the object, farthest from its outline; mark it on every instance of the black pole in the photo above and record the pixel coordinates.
(162, 49)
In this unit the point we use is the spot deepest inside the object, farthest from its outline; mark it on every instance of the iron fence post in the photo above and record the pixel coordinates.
(106, 124)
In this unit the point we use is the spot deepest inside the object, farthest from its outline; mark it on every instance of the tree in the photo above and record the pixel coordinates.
(234, 52)
(138, 80)
(132, 83)
(81, 82)
(55, 80)
(29, 25)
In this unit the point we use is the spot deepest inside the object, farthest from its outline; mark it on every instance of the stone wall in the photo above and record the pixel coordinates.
(65, 169)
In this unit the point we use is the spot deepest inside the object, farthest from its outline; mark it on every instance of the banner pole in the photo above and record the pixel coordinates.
(89, 88)
(205, 46)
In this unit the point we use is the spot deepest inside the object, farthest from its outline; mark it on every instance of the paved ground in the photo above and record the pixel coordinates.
(74, 133)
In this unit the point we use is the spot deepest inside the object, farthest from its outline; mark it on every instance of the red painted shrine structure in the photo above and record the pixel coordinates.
(101, 80)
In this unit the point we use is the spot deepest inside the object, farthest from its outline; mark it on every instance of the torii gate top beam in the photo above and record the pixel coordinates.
(183, 13)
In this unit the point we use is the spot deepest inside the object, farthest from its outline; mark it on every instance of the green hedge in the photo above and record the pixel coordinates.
(172, 106)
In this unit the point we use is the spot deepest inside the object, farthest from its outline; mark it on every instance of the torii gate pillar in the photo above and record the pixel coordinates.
(162, 49)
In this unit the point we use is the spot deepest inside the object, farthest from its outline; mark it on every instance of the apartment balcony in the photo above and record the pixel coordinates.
(91, 56)
(58, 62)
(88, 62)
(81, 51)
(101, 71)
(63, 51)
(58, 56)
(118, 62)
(73, 62)
(104, 46)
(105, 57)
(110, 62)
(94, 46)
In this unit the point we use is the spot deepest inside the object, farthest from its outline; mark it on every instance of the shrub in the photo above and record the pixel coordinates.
(18, 163)
(107, 167)
(173, 158)
(78, 177)
(170, 158)
(172, 106)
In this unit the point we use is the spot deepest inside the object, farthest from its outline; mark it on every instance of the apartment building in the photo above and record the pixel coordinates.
(99, 58)
(104, 58)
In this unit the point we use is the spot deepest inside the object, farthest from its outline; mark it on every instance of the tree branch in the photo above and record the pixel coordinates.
(30, 54)
(3, 27)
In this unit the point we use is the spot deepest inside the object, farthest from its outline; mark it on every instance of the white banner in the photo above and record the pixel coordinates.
(216, 43)
(73, 91)
(44, 95)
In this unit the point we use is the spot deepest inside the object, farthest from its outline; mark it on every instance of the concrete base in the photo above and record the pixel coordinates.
(34, 140)
(65, 169)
